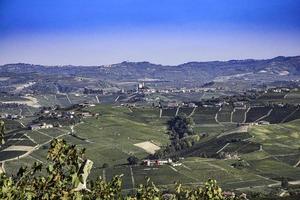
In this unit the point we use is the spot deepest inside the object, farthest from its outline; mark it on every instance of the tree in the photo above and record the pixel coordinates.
(105, 165)
(132, 160)
(2, 128)
(180, 126)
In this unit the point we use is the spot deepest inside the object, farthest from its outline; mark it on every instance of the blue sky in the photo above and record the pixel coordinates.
(98, 32)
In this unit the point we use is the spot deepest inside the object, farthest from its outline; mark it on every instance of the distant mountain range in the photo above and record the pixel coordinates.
(188, 74)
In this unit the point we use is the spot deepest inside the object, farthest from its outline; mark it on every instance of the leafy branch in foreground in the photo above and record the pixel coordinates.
(65, 177)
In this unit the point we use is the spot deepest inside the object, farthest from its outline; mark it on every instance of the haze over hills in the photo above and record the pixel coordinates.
(191, 74)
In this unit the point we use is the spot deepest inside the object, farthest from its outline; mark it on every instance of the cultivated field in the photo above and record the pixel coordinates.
(271, 151)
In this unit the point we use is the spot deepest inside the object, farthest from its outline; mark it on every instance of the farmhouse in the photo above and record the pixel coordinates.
(4, 116)
(263, 122)
(210, 106)
(240, 104)
(9, 116)
(86, 114)
(192, 105)
(172, 104)
(157, 162)
(175, 164)
(40, 126)
(86, 104)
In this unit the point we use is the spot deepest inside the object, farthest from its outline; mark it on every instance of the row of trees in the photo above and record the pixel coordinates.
(65, 177)
(182, 136)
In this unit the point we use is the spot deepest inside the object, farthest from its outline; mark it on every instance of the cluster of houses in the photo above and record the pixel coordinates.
(229, 155)
(142, 88)
(262, 122)
(54, 113)
(10, 116)
(188, 90)
(58, 114)
(174, 104)
(278, 90)
(86, 104)
(160, 162)
(40, 126)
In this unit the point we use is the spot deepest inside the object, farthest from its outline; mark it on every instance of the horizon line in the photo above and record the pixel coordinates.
(74, 65)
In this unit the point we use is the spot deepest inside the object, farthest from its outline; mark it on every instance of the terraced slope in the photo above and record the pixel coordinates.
(256, 113)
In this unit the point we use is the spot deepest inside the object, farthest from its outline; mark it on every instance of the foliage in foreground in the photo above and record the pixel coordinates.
(65, 178)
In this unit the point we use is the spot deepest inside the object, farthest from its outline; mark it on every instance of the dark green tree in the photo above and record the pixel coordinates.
(180, 126)
(132, 160)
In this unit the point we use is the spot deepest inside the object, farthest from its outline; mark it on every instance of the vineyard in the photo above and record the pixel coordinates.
(238, 115)
(224, 115)
(256, 113)
(111, 138)
(204, 115)
(280, 114)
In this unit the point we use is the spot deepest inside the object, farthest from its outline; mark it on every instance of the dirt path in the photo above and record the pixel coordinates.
(18, 148)
(173, 168)
(245, 116)
(291, 114)
(97, 99)
(192, 113)
(69, 99)
(177, 110)
(223, 147)
(297, 164)
(231, 115)
(132, 178)
(216, 117)
(266, 115)
(22, 124)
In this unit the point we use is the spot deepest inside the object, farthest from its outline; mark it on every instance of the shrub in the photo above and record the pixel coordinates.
(132, 160)
(105, 165)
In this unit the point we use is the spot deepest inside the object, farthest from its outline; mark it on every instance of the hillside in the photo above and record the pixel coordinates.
(188, 74)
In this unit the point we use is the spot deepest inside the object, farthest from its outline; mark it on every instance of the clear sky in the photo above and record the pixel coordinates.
(95, 32)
